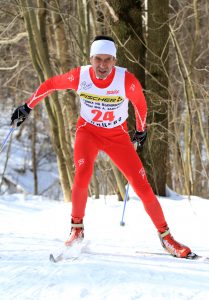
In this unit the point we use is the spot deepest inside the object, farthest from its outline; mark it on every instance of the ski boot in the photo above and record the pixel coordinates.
(173, 247)
(77, 232)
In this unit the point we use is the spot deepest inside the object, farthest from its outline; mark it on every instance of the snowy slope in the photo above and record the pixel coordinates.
(32, 227)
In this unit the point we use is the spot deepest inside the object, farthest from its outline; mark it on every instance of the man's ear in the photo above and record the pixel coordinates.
(91, 59)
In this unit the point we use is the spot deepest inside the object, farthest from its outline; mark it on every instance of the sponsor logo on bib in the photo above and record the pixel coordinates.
(113, 92)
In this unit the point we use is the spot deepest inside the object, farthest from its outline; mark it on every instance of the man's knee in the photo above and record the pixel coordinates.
(83, 175)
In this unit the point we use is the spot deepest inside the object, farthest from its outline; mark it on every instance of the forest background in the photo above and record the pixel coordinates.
(164, 43)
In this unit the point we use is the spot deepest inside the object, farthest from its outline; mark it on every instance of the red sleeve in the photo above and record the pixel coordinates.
(69, 80)
(135, 94)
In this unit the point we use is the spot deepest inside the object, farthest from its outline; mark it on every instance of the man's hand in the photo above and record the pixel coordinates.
(20, 115)
(140, 137)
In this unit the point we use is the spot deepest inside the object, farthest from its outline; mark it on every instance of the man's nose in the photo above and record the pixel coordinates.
(102, 64)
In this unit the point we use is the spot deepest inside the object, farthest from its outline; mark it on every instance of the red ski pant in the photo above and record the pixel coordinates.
(117, 145)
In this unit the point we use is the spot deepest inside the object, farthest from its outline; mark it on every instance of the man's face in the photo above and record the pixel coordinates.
(102, 64)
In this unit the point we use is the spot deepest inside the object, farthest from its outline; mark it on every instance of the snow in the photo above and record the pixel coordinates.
(31, 227)
(108, 265)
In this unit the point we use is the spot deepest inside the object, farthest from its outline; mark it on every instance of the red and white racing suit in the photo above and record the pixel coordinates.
(102, 126)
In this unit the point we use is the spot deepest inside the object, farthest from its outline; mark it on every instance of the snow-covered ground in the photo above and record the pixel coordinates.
(33, 227)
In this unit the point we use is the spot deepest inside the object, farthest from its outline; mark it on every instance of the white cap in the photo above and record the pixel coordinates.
(103, 47)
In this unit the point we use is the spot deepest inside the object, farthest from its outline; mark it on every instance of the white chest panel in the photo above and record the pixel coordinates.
(103, 107)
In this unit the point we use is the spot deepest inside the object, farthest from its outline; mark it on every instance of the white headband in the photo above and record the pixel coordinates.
(103, 47)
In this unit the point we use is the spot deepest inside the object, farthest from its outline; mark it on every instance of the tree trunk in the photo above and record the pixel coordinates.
(39, 54)
(128, 33)
(156, 148)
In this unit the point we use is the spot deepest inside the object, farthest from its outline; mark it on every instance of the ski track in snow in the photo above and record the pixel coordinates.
(31, 229)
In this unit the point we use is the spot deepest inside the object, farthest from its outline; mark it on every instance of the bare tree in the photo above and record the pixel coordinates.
(165, 44)
(188, 88)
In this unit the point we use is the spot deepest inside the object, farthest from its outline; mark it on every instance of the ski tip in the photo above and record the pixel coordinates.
(51, 258)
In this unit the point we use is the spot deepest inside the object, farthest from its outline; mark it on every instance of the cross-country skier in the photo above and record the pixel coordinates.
(105, 90)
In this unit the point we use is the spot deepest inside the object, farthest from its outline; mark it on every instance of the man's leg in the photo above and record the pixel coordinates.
(85, 152)
(126, 159)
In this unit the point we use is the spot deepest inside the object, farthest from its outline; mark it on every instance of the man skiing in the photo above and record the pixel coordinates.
(104, 90)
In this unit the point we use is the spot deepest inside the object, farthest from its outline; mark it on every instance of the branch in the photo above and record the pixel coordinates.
(10, 68)
(111, 11)
(14, 40)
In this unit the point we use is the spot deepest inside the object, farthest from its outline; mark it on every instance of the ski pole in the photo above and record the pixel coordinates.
(122, 223)
(7, 137)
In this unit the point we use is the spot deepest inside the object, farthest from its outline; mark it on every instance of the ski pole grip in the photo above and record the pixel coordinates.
(14, 124)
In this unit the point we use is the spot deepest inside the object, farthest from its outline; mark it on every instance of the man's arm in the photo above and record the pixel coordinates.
(135, 94)
(68, 80)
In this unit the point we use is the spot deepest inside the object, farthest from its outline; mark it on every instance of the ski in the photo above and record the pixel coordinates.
(190, 256)
(86, 251)
(195, 256)
(56, 259)
(69, 253)
(61, 257)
